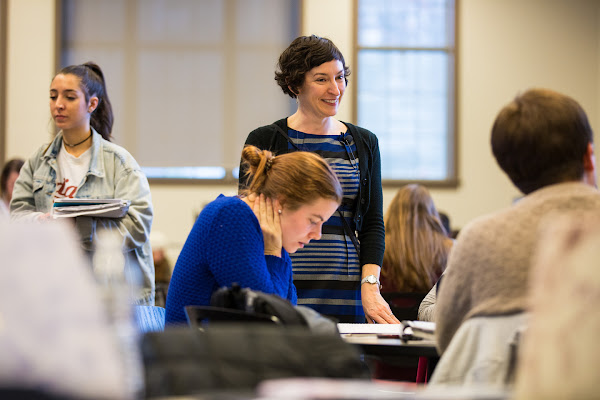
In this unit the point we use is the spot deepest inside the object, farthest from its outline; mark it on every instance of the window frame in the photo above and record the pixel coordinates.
(229, 177)
(452, 181)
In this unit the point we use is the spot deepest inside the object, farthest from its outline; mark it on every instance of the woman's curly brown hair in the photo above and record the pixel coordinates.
(302, 55)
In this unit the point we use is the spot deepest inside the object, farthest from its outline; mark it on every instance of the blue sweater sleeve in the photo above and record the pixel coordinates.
(235, 253)
(225, 246)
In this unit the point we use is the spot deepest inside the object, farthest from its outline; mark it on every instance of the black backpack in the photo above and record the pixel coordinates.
(255, 302)
(237, 357)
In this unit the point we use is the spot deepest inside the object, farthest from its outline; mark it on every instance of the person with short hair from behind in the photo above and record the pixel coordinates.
(247, 239)
(543, 141)
(9, 176)
(82, 162)
(338, 275)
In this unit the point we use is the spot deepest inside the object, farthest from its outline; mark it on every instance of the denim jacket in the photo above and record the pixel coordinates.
(113, 173)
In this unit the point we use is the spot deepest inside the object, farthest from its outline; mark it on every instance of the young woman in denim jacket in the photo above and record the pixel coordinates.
(81, 162)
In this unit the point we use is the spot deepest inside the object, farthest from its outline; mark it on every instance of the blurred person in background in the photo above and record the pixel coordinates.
(162, 266)
(416, 242)
(10, 173)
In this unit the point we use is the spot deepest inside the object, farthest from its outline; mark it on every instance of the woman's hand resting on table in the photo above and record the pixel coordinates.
(376, 309)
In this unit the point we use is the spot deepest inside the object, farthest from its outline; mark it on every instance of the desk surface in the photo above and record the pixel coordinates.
(375, 345)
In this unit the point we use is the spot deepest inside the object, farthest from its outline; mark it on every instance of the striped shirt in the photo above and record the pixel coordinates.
(327, 272)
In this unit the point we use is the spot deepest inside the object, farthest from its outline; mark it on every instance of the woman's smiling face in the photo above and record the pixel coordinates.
(323, 89)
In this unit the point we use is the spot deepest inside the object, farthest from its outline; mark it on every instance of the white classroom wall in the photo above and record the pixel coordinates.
(504, 46)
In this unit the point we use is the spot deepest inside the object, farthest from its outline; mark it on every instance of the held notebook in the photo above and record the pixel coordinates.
(106, 208)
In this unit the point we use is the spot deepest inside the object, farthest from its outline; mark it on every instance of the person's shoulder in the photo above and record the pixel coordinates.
(43, 149)
(565, 191)
(483, 227)
(228, 206)
(229, 212)
(227, 201)
(270, 129)
(565, 197)
(110, 149)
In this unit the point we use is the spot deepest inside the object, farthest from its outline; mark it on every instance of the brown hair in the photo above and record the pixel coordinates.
(295, 179)
(13, 165)
(92, 84)
(416, 243)
(302, 55)
(540, 138)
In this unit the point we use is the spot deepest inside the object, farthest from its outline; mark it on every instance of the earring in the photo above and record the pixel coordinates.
(279, 211)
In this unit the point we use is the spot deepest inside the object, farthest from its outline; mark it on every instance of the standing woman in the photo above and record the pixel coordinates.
(81, 162)
(337, 275)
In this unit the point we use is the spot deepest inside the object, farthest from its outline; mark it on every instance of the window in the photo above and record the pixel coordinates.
(188, 79)
(405, 86)
(3, 29)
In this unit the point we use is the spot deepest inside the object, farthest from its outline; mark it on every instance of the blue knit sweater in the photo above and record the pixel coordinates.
(225, 246)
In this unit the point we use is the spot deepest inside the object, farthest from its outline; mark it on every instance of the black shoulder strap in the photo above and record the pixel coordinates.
(285, 135)
(350, 233)
(347, 229)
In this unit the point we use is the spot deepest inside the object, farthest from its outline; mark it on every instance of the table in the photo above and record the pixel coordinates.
(373, 344)
(391, 349)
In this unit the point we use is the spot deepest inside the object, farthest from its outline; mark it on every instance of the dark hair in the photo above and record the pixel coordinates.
(13, 165)
(93, 84)
(540, 138)
(302, 55)
(295, 179)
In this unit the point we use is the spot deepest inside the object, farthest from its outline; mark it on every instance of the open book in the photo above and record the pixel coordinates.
(106, 208)
(407, 330)
(417, 330)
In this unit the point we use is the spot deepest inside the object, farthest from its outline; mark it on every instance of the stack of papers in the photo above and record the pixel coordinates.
(418, 330)
(379, 329)
(407, 330)
(106, 208)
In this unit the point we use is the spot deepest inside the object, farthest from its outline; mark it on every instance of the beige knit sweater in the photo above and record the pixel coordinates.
(489, 265)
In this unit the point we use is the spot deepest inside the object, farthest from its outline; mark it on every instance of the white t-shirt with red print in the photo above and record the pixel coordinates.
(71, 171)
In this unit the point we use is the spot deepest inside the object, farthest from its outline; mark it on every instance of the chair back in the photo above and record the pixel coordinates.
(482, 352)
(150, 318)
(200, 315)
(404, 305)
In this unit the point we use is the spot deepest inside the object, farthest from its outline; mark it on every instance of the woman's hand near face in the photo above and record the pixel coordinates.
(270, 224)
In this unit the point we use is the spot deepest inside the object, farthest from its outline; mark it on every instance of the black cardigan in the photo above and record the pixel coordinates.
(368, 211)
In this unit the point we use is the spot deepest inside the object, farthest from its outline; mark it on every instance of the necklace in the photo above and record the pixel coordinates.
(77, 144)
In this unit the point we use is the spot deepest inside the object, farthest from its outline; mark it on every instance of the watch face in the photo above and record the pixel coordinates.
(371, 279)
